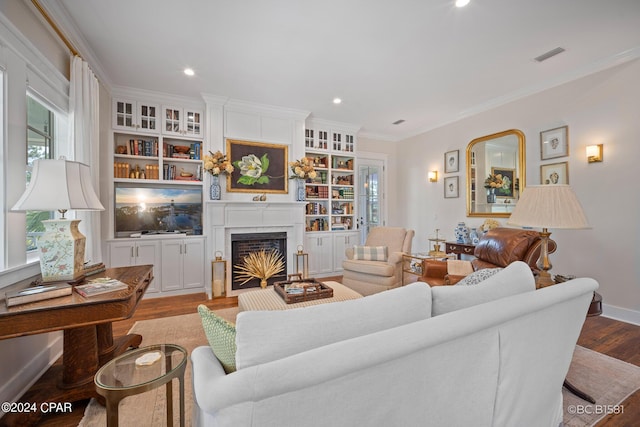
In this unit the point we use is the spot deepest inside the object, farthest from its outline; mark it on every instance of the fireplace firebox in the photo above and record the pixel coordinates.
(245, 243)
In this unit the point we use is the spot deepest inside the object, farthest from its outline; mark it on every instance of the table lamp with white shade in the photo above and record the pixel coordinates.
(60, 185)
(548, 206)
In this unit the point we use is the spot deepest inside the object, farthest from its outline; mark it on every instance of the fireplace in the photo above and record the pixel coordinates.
(245, 243)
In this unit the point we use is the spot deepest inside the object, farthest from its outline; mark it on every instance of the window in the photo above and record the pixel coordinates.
(40, 145)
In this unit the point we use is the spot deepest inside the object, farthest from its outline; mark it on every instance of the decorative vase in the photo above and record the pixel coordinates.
(300, 190)
(491, 195)
(462, 233)
(214, 189)
(473, 236)
(263, 283)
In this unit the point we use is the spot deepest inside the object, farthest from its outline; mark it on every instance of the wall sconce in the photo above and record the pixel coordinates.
(433, 176)
(594, 153)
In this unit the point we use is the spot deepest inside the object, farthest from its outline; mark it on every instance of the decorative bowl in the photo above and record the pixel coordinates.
(182, 149)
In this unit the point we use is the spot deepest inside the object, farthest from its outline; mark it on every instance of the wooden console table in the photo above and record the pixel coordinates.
(88, 336)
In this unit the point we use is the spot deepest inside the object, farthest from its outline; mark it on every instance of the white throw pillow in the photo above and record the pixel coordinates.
(514, 279)
(478, 276)
(264, 336)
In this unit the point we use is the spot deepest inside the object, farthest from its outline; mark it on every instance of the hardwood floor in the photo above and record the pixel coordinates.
(607, 336)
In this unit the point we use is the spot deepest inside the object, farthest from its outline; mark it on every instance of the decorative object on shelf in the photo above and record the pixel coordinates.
(473, 236)
(216, 164)
(451, 188)
(259, 167)
(554, 143)
(301, 263)
(214, 189)
(218, 276)
(436, 252)
(462, 233)
(594, 153)
(301, 171)
(491, 195)
(554, 173)
(451, 161)
(488, 224)
(548, 206)
(60, 185)
(261, 265)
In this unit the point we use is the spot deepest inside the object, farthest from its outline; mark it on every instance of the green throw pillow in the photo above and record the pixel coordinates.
(222, 337)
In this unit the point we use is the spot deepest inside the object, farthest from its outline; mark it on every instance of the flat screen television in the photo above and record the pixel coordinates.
(157, 209)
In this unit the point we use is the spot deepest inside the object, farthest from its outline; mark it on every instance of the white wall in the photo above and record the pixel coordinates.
(601, 108)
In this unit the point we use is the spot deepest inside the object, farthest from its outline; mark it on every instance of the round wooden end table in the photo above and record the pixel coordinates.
(141, 370)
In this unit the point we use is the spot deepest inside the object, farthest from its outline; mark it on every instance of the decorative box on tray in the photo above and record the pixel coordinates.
(294, 291)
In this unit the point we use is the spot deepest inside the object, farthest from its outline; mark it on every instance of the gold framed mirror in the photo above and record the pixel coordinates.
(495, 173)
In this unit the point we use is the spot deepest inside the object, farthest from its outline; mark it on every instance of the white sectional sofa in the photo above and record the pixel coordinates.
(496, 354)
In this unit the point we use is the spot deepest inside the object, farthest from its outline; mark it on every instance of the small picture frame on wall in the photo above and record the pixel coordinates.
(451, 188)
(451, 161)
(554, 143)
(554, 173)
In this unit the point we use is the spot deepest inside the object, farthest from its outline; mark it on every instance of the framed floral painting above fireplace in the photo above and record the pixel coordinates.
(258, 167)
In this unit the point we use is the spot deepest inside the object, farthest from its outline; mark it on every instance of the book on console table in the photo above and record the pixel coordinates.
(38, 293)
(99, 286)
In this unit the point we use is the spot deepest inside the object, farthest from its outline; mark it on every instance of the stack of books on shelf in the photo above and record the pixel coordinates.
(95, 268)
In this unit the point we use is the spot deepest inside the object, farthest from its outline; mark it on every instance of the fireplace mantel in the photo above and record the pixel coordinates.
(227, 217)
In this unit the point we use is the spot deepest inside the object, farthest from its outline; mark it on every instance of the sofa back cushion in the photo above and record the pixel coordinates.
(501, 246)
(264, 336)
(514, 279)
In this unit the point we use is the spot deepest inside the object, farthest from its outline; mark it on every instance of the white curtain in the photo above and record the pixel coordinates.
(85, 134)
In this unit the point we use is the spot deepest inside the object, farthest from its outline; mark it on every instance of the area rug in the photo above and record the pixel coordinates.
(610, 381)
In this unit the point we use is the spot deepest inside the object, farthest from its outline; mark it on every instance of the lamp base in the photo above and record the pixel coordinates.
(61, 250)
(544, 277)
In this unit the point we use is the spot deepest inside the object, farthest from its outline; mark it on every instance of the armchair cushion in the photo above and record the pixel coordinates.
(370, 253)
(501, 246)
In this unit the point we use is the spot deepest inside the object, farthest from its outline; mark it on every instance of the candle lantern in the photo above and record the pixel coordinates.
(218, 276)
(301, 263)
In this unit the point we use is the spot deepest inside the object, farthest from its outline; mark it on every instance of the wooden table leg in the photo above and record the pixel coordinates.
(108, 348)
(79, 357)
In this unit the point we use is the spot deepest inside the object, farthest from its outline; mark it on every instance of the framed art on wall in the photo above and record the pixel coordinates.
(258, 167)
(451, 161)
(451, 188)
(554, 173)
(554, 143)
(508, 182)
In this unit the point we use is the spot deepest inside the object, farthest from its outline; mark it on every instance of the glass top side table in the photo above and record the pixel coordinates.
(142, 370)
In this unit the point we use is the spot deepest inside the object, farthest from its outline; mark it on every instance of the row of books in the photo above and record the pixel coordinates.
(124, 170)
(142, 147)
(171, 172)
(318, 192)
(195, 151)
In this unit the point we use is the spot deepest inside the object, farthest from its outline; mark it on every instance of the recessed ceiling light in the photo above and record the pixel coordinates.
(189, 72)
(462, 3)
(337, 100)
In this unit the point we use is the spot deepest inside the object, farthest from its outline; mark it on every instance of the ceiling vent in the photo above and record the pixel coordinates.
(547, 55)
(397, 122)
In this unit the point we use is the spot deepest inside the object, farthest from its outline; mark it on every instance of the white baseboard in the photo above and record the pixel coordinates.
(15, 386)
(622, 314)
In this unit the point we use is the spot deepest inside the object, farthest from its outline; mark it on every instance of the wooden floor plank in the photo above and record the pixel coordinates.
(607, 336)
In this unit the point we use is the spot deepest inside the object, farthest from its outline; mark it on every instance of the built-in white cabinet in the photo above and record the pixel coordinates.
(319, 246)
(342, 241)
(128, 252)
(185, 122)
(182, 264)
(136, 116)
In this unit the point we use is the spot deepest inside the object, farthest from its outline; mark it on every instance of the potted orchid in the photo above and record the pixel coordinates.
(216, 164)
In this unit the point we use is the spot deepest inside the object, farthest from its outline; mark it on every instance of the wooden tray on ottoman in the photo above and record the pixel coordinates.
(311, 290)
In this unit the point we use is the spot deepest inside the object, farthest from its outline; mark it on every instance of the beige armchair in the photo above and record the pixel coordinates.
(370, 277)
